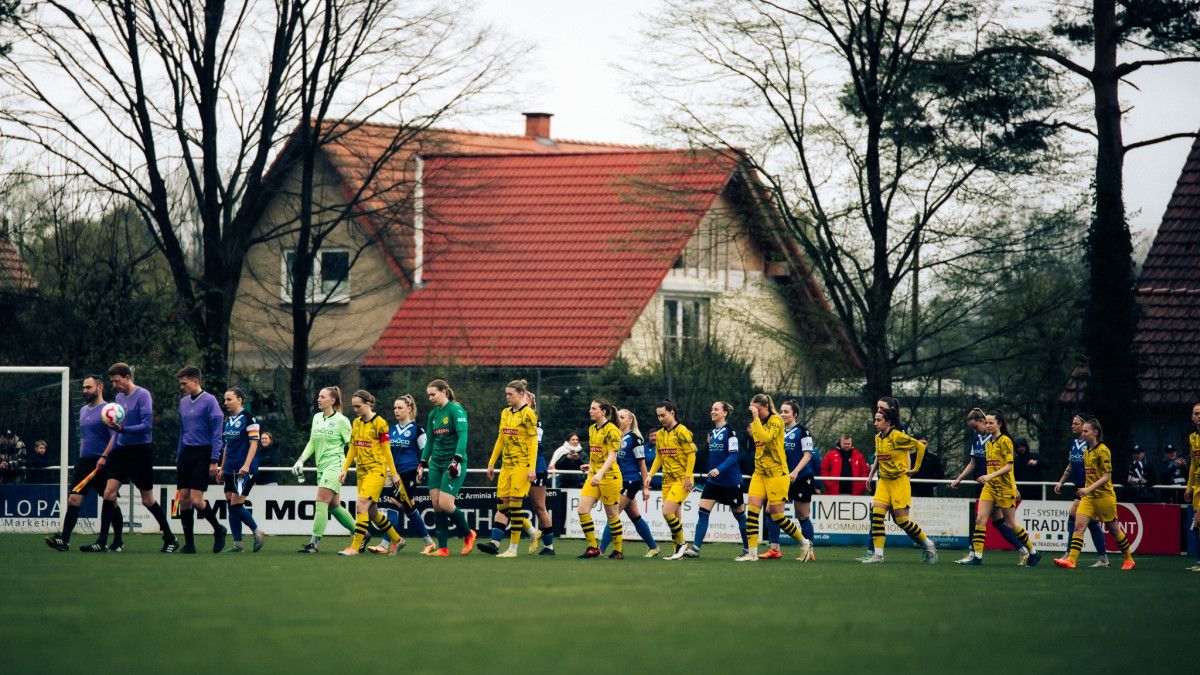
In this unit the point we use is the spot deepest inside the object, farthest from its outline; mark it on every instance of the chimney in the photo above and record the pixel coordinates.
(537, 124)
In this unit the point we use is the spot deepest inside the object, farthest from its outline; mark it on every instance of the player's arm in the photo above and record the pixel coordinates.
(760, 433)
(496, 448)
(730, 460)
(143, 405)
(460, 448)
(350, 460)
(112, 438)
(654, 467)
(806, 453)
(691, 467)
(531, 445)
(609, 459)
(962, 475)
(905, 443)
(252, 430)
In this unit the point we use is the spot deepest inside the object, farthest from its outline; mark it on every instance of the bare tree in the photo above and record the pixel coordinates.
(136, 94)
(884, 167)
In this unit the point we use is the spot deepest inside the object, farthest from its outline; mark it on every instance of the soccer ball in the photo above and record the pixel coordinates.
(113, 413)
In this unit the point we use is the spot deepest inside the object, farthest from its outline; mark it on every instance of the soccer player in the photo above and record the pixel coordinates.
(603, 480)
(537, 495)
(999, 492)
(892, 448)
(327, 441)
(1097, 500)
(239, 466)
(408, 440)
(129, 459)
(769, 483)
(445, 458)
(676, 456)
(515, 448)
(95, 439)
(1192, 491)
(724, 484)
(371, 454)
(198, 456)
(631, 460)
(978, 466)
(802, 464)
(884, 403)
(1074, 472)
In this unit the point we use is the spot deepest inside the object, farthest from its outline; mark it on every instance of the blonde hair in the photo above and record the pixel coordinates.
(633, 424)
(521, 386)
(336, 393)
(975, 415)
(532, 399)
(410, 402)
(765, 399)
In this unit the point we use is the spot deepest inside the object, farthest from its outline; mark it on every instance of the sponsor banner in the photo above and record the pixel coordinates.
(846, 520)
(839, 520)
(1153, 528)
(289, 509)
(35, 508)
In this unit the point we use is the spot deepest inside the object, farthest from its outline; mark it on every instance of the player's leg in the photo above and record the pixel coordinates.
(983, 509)
(757, 495)
(1030, 556)
(537, 495)
(1194, 531)
(500, 519)
(206, 511)
(639, 523)
(606, 538)
(880, 503)
(1083, 517)
(141, 473)
(610, 497)
(416, 521)
(701, 531)
(588, 497)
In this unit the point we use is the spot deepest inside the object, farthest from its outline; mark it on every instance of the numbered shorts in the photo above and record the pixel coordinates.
(238, 484)
(801, 490)
(1102, 508)
(439, 479)
(370, 485)
(608, 492)
(513, 483)
(191, 469)
(895, 492)
(999, 498)
(673, 490)
(328, 479)
(772, 488)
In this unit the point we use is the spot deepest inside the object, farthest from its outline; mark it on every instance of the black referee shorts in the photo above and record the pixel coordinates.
(191, 469)
(131, 464)
(83, 467)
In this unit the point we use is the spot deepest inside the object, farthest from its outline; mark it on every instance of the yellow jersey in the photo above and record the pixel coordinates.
(770, 460)
(370, 449)
(1097, 461)
(1194, 468)
(999, 452)
(675, 451)
(892, 450)
(516, 441)
(603, 439)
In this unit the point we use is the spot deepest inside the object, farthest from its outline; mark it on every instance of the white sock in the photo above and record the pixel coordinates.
(1024, 550)
(879, 551)
(428, 539)
(512, 548)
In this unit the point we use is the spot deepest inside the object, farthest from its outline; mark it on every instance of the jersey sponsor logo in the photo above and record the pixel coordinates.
(510, 432)
(441, 432)
(363, 444)
(668, 451)
(995, 462)
(884, 458)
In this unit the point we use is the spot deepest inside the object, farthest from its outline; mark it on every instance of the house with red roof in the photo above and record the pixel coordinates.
(529, 252)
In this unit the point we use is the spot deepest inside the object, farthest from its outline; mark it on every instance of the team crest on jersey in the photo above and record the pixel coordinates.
(445, 420)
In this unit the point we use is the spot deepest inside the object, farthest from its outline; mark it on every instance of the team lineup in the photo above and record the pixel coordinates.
(389, 461)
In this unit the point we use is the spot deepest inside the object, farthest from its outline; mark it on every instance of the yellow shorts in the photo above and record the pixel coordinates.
(895, 492)
(673, 490)
(513, 483)
(1102, 508)
(608, 492)
(998, 499)
(774, 489)
(370, 486)
(1196, 499)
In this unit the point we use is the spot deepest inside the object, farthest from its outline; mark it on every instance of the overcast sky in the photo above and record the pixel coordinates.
(576, 43)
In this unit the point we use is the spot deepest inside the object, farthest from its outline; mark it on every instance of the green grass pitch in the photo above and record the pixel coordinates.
(276, 611)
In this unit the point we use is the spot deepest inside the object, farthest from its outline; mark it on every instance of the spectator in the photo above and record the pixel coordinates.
(1172, 470)
(847, 462)
(12, 458)
(1140, 477)
(268, 455)
(573, 457)
(1026, 465)
(931, 469)
(39, 459)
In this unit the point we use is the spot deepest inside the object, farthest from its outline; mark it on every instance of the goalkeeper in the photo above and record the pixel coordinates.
(328, 440)
(445, 458)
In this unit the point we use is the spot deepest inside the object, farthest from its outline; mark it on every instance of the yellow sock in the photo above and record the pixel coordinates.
(911, 529)
(516, 523)
(977, 539)
(589, 529)
(878, 534)
(752, 527)
(676, 526)
(360, 531)
(1076, 546)
(617, 532)
(1123, 544)
(385, 526)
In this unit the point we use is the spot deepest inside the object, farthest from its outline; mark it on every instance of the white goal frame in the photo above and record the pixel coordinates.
(64, 432)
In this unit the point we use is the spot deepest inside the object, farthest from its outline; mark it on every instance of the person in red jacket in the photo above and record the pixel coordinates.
(845, 461)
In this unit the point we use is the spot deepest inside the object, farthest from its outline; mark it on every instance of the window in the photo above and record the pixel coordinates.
(330, 279)
(685, 322)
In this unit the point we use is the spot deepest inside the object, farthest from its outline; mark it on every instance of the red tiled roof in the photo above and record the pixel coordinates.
(1168, 331)
(15, 277)
(385, 204)
(545, 259)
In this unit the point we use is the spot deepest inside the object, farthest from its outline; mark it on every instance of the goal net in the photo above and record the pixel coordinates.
(38, 445)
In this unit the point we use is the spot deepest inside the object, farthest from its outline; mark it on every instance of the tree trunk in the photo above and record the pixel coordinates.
(1111, 316)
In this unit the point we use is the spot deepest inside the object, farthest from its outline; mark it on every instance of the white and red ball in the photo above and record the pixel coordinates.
(113, 413)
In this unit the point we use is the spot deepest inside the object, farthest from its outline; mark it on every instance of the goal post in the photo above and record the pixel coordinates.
(64, 429)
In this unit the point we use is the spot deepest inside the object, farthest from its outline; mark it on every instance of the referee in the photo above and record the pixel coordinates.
(197, 460)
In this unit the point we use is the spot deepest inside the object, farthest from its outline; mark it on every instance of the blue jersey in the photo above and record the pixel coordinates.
(723, 456)
(796, 442)
(632, 449)
(1075, 457)
(407, 441)
(979, 454)
(540, 465)
(237, 434)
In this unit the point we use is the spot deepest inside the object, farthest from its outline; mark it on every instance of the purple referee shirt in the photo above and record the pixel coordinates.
(201, 422)
(138, 427)
(93, 433)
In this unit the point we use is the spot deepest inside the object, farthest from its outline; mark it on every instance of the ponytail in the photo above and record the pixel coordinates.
(765, 399)
(442, 385)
